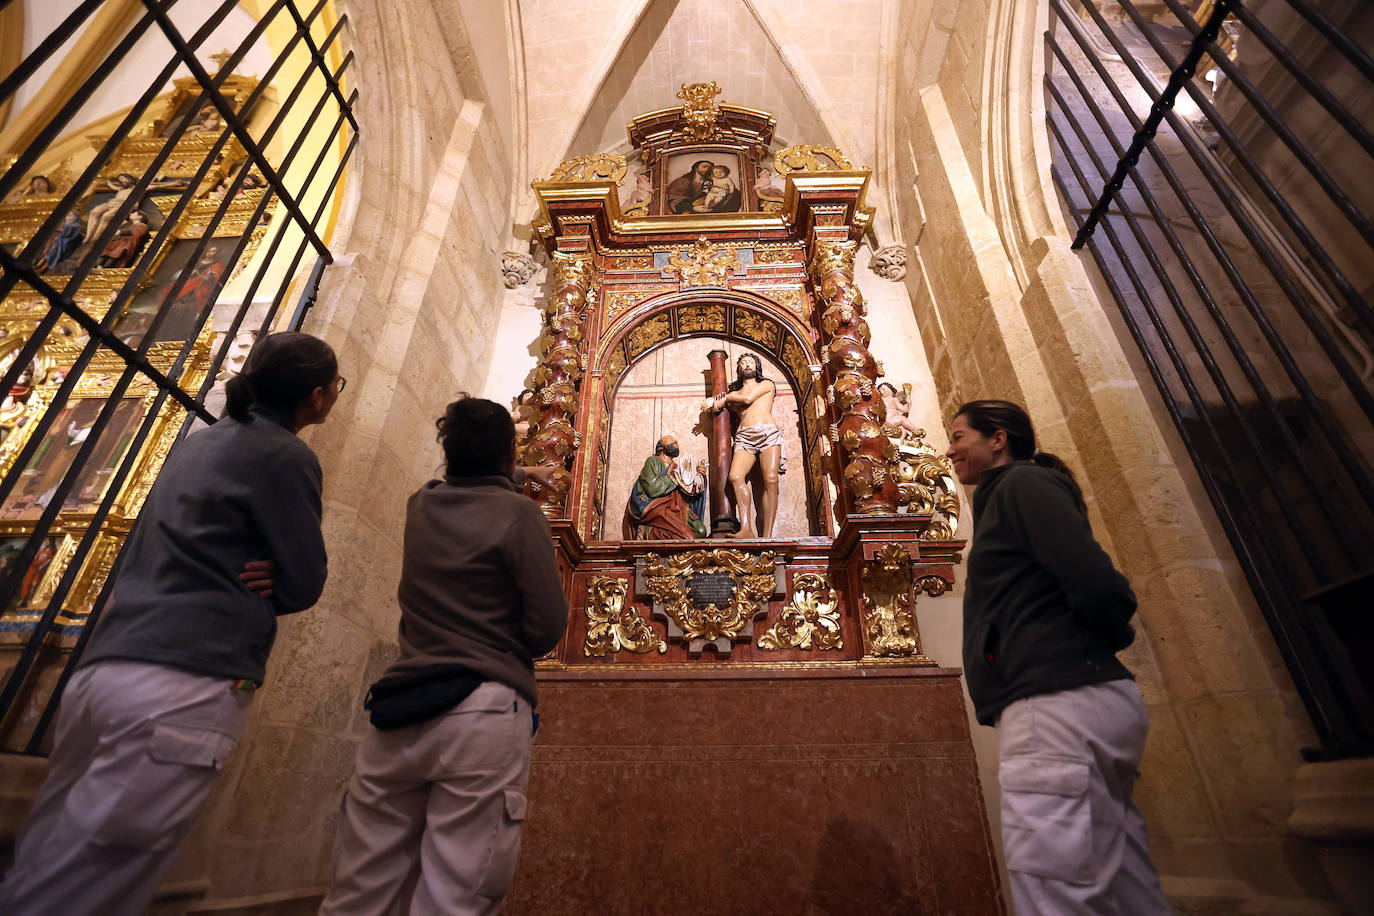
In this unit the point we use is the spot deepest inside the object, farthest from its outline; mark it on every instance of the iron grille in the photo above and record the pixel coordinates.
(299, 109)
(1224, 155)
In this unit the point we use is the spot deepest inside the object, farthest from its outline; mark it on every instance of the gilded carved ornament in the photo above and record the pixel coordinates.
(756, 328)
(925, 482)
(810, 157)
(753, 575)
(705, 264)
(595, 167)
(700, 108)
(888, 619)
(650, 332)
(694, 319)
(611, 626)
(810, 621)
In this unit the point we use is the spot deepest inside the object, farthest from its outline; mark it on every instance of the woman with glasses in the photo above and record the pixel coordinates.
(228, 540)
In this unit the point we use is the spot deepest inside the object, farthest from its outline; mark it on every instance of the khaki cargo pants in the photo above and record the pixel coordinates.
(432, 818)
(138, 749)
(1074, 839)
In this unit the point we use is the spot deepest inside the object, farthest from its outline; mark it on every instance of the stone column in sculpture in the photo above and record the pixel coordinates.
(723, 523)
(552, 438)
(853, 374)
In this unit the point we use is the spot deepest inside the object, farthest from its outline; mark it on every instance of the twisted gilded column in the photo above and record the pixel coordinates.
(552, 438)
(864, 449)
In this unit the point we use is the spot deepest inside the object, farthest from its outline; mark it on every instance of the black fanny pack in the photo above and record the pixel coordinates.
(412, 697)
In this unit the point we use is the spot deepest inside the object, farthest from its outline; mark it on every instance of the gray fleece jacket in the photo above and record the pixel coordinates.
(227, 494)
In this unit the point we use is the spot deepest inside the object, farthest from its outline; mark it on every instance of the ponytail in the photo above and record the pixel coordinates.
(988, 416)
(281, 373)
(238, 393)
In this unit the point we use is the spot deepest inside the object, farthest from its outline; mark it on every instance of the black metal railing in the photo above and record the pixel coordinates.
(1236, 241)
(300, 110)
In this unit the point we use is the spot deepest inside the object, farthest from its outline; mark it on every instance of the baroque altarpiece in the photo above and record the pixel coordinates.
(705, 230)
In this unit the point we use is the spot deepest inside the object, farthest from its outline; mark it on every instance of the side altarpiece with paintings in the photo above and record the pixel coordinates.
(705, 230)
(196, 225)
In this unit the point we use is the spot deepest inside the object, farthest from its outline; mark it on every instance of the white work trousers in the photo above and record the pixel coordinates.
(432, 818)
(138, 749)
(1074, 840)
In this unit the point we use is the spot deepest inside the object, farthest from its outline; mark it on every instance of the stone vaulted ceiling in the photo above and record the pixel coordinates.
(592, 65)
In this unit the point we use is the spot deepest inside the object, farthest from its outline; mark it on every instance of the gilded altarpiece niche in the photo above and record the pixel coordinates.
(720, 274)
(153, 276)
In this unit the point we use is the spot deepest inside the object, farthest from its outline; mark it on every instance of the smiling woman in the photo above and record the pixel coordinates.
(1045, 613)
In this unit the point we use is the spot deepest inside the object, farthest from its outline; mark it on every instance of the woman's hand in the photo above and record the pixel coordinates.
(257, 576)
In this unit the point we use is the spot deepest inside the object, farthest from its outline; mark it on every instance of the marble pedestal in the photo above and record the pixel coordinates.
(781, 790)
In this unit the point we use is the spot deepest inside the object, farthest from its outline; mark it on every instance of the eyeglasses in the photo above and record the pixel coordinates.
(341, 383)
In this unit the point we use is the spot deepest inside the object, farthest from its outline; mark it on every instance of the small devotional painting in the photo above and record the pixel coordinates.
(704, 181)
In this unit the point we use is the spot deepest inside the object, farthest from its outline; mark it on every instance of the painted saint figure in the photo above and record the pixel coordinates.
(666, 503)
(63, 244)
(757, 439)
(123, 248)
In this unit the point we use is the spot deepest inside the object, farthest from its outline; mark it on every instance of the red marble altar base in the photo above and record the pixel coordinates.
(745, 790)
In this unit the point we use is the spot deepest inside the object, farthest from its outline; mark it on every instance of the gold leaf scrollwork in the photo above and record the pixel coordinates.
(700, 108)
(754, 581)
(611, 626)
(934, 586)
(754, 327)
(811, 157)
(810, 621)
(705, 265)
(596, 167)
(925, 480)
(693, 319)
(888, 618)
(618, 304)
(650, 332)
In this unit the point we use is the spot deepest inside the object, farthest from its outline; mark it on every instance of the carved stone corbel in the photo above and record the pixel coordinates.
(889, 262)
(517, 268)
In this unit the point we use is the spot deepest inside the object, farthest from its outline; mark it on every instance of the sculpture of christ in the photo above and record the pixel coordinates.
(757, 439)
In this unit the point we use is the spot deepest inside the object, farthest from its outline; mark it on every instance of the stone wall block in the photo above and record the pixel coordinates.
(1238, 739)
(298, 776)
(310, 679)
(1202, 645)
(1170, 788)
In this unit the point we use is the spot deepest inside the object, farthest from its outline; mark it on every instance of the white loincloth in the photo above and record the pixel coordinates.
(754, 439)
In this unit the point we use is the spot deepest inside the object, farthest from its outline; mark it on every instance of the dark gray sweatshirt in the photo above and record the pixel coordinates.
(1044, 608)
(479, 582)
(227, 494)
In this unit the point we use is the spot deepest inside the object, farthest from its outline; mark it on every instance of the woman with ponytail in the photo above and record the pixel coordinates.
(1045, 613)
(228, 539)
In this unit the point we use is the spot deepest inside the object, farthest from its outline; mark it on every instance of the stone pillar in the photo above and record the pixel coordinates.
(552, 438)
(722, 522)
(853, 375)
